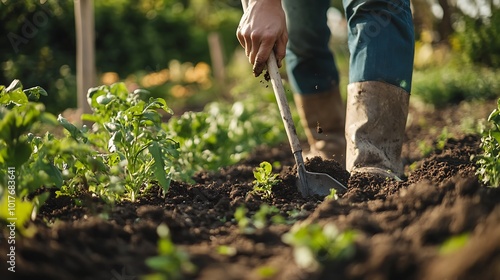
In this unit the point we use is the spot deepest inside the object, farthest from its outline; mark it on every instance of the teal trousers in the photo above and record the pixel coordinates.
(380, 39)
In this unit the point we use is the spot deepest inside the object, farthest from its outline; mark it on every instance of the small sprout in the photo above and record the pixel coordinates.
(226, 250)
(266, 271)
(333, 195)
(259, 220)
(170, 263)
(314, 245)
(264, 179)
(454, 243)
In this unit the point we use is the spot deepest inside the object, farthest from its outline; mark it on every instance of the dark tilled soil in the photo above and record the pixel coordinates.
(400, 226)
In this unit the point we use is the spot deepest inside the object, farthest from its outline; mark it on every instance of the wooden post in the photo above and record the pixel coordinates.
(85, 52)
(217, 57)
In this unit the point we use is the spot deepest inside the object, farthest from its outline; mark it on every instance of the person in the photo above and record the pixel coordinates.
(366, 134)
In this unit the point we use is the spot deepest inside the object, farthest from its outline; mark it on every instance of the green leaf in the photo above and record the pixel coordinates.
(75, 133)
(120, 90)
(114, 141)
(34, 93)
(104, 99)
(92, 95)
(54, 174)
(496, 135)
(6, 124)
(21, 153)
(157, 262)
(454, 243)
(14, 85)
(159, 166)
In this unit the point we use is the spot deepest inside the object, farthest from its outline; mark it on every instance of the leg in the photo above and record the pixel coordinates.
(314, 77)
(381, 42)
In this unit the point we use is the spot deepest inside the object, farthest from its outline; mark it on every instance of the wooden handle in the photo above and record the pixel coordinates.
(283, 106)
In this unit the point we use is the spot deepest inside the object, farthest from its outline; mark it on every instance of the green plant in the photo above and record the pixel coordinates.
(425, 148)
(18, 115)
(315, 245)
(131, 131)
(455, 82)
(478, 40)
(120, 155)
(171, 262)
(332, 195)
(454, 243)
(222, 134)
(488, 162)
(226, 250)
(259, 220)
(442, 138)
(264, 179)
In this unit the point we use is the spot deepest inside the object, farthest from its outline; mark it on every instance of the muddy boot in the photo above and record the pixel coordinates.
(375, 125)
(323, 117)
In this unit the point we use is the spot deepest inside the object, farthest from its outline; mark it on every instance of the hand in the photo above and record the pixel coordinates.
(262, 29)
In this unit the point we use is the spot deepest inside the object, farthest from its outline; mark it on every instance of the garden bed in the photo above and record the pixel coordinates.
(403, 230)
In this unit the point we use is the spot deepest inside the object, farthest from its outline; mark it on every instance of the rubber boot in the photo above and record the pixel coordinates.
(322, 116)
(375, 125)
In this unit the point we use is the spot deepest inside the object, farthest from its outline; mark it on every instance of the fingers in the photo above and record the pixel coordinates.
(262, 55)
(280, 48)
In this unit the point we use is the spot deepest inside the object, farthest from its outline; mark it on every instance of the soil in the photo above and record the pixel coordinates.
(400, 226)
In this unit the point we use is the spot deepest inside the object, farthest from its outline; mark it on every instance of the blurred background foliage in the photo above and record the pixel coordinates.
(162, 45)
(133, 37)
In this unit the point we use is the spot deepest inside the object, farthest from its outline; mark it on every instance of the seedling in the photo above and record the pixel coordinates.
(262, 218)
(333, 195)
(132, 132)
(264, 179)
(227, 250)
(315, 245)
(454, 243)
(170, 263)
(442, 138)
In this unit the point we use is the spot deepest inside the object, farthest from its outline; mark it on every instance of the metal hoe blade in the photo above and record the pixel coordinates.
(311, 183)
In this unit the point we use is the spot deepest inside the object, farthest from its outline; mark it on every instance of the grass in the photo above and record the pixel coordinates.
(454, 82)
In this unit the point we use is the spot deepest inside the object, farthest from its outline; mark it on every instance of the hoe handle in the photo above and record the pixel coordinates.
(283, 106)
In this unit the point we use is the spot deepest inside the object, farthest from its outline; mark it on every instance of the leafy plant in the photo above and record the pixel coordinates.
(18, 115)
(171, 262)
(478, 40)
(221, 135)
(264, 179)
(315, 245)
(131, 130)
(488, 161)
(453, 83)
(259, 220)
